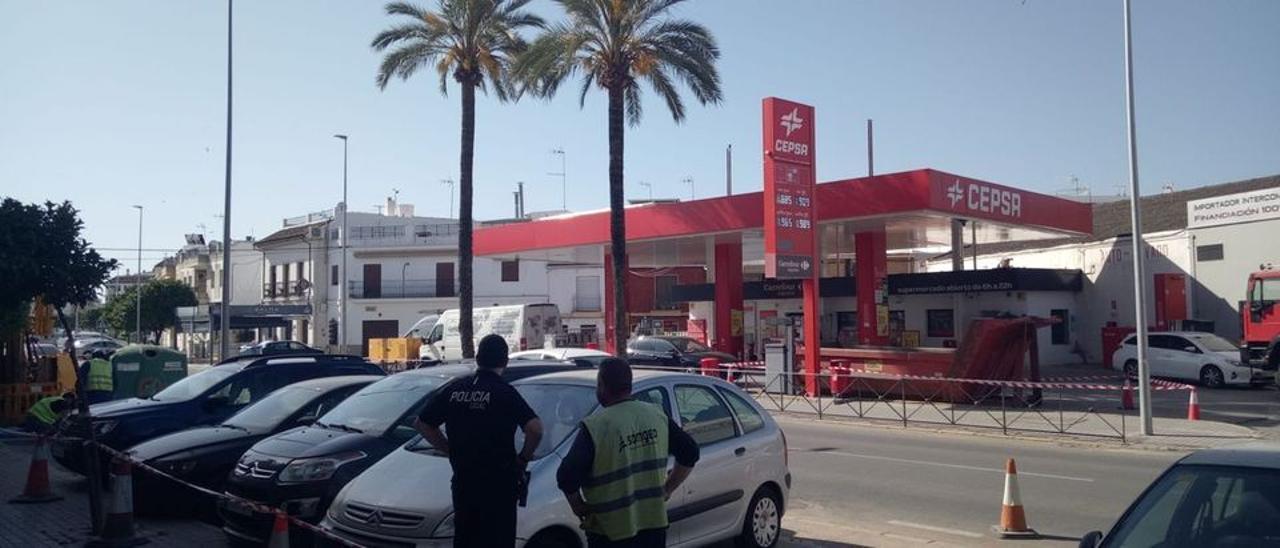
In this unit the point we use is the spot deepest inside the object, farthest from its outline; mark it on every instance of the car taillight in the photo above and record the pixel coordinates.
(524, 343)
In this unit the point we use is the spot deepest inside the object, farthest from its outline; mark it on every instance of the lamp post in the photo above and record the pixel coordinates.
(138, 305)
(1135, 214)
(224, 331)
(689, 181)
(342, 289)
(564, 200)
(449, 183)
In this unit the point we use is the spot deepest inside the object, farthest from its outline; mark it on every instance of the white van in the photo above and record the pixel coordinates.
(524, 326)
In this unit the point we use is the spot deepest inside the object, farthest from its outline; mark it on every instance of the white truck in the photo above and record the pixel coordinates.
(524, 326)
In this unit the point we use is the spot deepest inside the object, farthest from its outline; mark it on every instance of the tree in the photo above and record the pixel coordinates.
(19, 240)
(159, 299)
(475, 42)
(615, 45)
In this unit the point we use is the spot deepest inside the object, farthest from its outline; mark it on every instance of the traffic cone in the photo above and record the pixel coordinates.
(38, 488)
(1013, 519)
(1126, 396)
(118, 529)
(279, 531)
(1193, 407)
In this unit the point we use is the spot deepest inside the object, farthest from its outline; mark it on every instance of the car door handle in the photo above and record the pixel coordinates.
(740, 451)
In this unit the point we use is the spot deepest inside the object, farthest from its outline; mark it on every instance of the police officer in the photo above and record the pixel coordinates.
(615, 474)
(481, 414)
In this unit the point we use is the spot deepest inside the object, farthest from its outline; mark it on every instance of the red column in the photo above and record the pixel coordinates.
(811, 333)
(872, 273)
(608, 306)
(728, 297)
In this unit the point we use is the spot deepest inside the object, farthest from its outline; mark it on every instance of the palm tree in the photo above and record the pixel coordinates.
(616, 45)
(475, 42)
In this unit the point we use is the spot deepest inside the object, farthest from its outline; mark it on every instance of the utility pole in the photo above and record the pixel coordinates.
(449, 183)
(224, 330)
(1135, 214)
(138, 286)
(564, 194)
(728, 170)
(343, 289)
(871, 151)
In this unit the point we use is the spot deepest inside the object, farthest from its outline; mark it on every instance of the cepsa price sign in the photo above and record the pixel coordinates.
(790, 221)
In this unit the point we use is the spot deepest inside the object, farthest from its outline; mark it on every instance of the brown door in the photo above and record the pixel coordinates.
(377, 329)
(444, 279)
(372, 281)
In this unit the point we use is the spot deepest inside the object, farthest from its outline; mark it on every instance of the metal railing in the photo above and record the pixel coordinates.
(402, 289)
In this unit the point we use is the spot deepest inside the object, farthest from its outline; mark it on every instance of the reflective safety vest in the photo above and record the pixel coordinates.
(99, 376)
(43, 410)
(624, 492)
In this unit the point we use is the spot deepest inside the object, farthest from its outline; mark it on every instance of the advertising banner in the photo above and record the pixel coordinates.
(790, 221)
(1244, 207)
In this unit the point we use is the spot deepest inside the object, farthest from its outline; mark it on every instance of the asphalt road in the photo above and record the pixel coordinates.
(857, 485)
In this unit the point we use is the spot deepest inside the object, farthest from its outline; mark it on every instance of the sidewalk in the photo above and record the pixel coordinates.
(66, 522)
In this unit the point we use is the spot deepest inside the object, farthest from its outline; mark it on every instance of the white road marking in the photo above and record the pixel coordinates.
(946, 530)
(948, 465)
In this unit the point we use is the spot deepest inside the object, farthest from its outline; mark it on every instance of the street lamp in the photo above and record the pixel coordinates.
(224, 331)
(449, 183)
(402, 269)
(138, 304)
(1135, 214)
(689, 181)
(342, 289)
(564, 200)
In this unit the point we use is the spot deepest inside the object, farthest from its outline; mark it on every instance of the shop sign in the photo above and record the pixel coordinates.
(1244, 207)
(790, 219)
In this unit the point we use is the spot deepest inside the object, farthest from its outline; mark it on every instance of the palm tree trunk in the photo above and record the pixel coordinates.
(465, 300)
(617, 223)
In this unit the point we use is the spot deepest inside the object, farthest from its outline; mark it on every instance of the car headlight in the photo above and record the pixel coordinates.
(317, 469)
(102, 428)
(445, 527)
(177, 467)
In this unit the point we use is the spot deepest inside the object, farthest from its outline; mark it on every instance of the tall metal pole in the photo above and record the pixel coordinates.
(224, 323)
(728, 170)
(138, 305)
(689, 181)
(871, 157)
(342, 291)
(449, 182)
(1139, 246)
(564, 194)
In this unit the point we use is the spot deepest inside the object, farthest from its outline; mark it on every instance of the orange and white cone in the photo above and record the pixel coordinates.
(38, 488)
(279, 531)
(1193, 406)
(118, 529)
(1126, 396)
(1013, 519)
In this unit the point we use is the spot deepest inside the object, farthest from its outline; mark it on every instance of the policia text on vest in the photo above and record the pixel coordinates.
(615, 476)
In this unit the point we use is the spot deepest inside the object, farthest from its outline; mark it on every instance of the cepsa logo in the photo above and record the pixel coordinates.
(791, 123)
(986, 199)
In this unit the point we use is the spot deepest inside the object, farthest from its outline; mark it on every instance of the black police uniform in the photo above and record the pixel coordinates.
(481, 414)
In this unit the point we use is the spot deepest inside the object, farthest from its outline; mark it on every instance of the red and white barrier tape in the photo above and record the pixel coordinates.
(1156, 383)
(251, 504)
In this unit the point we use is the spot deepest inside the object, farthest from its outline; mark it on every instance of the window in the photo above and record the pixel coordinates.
(1060, 332)
(376, 232)
(940, 323)
(659, 345)
(748, 417)
(1181, 345)
(1211, 252)
(333, 275)
(703, 415)
(1197, 505)
(511, 271)
(586, 296)
(1266, 290)
(299, 275)
(663, 293)
(656, 396)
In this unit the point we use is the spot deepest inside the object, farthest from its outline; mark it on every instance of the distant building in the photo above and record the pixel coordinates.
(122, 283)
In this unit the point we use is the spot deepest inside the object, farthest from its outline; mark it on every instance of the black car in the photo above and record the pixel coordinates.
(205, 455)
(207, 397)
(278, 348)
(681, 352)
(302, 469)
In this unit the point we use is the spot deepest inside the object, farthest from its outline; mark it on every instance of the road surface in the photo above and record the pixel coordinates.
(858, 485)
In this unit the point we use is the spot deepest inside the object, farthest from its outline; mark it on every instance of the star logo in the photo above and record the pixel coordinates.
(792, 122)
(955, 193)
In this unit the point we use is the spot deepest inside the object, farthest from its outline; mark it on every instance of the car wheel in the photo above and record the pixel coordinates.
(763, 524)
(1211, 377)
(1131, 369)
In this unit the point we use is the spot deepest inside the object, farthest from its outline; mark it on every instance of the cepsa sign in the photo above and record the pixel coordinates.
(790, 221)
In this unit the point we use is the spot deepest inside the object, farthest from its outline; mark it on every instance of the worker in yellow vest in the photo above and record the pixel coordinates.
(44, 415)
(615, 474)
(97, 375)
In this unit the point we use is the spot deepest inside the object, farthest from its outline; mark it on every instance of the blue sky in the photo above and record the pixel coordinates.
(110, 104)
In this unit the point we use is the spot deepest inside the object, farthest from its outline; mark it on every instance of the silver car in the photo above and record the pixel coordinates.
(738, 489)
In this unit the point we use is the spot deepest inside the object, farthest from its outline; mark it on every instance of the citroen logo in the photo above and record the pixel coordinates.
(375, 518)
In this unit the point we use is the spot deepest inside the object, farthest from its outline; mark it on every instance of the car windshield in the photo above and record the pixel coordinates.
(688, 345)
(561, 408)
(376, 407)
(1214, 343)
(1194, 505)
(268, 413)
(194, 385)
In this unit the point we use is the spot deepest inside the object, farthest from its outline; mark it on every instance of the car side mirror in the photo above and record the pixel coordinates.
(1091, 539)
(1191, 349)
(403, 433)
(214, 403)
(305, 421)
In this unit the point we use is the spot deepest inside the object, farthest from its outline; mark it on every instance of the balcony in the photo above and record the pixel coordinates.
(281, 291)
(402, 289)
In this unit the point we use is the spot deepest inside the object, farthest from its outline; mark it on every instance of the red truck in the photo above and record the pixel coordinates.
(1260, 317)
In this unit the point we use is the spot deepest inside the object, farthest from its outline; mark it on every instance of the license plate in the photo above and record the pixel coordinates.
(237, 507)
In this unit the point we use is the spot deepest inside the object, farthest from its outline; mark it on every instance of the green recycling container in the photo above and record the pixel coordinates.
(141, 370)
